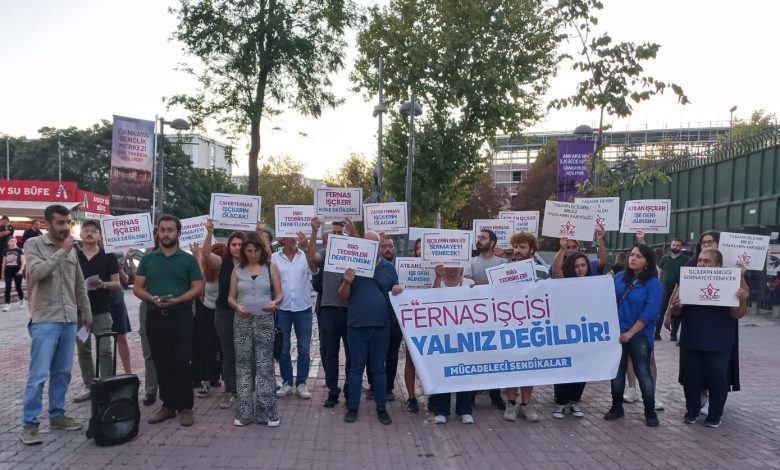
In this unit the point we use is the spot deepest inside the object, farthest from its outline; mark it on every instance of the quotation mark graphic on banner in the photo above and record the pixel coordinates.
(709, 293)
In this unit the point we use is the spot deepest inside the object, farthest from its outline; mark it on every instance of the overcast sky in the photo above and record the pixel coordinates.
(73, 63)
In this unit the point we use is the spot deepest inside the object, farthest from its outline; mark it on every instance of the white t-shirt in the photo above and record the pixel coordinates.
(477, 266)
(464, 283)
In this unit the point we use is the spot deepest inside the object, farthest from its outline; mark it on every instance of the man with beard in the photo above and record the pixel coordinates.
(168, 280)
(669, 272)
(56, 291)
(102, 273)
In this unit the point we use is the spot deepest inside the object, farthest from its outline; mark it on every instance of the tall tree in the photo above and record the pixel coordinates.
(258, 55)
(541, 180)
(282, 182)
(486, 203)
(356, 172)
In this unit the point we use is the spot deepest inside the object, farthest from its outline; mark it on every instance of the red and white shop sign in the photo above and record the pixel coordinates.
(94, 203)
(32, 190)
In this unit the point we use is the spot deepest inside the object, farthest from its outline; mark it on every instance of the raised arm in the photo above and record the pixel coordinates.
(743, 294)
(40, 265)
(312, 256)
(600, 232)
(557, 264)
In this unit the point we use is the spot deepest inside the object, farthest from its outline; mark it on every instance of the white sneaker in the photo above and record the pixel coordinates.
(467, 419)
(440, 419)
(275, 423)
(560, 412)
(22, 303)
(237, 422)
(576, 411)
(631, 395)
(705, 405)
(303, 392)
(6, 307)
(510, 413)
(529, 413)
(284, 390)
(659, 405)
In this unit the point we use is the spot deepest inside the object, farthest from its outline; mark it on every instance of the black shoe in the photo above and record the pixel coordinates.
(351, 416)
(390, 396)
(658, 338)
(690, 419)
(331, 401)
(712, 422)
(149, 400)
(498, 403)
(614, 413)
(673, 338)
(411, 406)
(384, 418)
(651, 419)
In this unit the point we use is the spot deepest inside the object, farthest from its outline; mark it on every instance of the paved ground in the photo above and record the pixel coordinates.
(315, 437)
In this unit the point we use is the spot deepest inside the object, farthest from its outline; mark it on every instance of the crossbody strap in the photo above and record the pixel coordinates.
(627, 291)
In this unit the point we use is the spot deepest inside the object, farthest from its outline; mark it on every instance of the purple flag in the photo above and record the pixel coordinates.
(572, 166)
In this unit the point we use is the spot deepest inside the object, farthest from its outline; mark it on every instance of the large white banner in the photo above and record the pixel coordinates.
(351, 253)
(501, 336)
(607, 210)
(525, 221)
(338, 203)
(293, 219)
(235, 211)
(193, 230)
(569, 220)
(449, 248)
(386, 217)
(412, 274)
(503, 228)
(646, 215)
(127, 231)
(743, 249)
(709, 286)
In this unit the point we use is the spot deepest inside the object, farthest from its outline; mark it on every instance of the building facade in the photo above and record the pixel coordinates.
(204, 152)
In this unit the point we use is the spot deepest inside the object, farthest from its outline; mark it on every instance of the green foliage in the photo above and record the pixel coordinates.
(485, 203)
(281, 182)
(541, 180)
(759, 122)
(614, 72)
(256, 56)
(356, 172)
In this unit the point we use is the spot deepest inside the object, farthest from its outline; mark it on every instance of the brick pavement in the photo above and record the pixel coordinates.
(315, 437)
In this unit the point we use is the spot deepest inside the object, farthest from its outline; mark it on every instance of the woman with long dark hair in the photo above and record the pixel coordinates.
(205, 343)
(255, 293)
(639, 295)
(223, 315)
(570, 394)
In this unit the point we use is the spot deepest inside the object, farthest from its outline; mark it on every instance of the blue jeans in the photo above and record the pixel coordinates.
(638, 348)
(51, 357)
(302, 321)
(364, 343)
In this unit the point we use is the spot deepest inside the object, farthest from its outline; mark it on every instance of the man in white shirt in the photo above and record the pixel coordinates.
(294, 311)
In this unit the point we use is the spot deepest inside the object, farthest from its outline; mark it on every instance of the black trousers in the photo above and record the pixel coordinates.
(706, 370)
(391, 362)
(206, 364)
(332, 323)
(12, 274)
(567, 393)
(170, 339)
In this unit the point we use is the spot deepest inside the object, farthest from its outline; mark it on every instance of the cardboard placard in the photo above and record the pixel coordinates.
(512, 273)
(235, 211)
(503, 228)
(412, 274)
(569, 220)
(293, 219)
(338, 203)
(351, 253)
(525, 221)
(743, 249)
(449, 248)
(607, 211)
(709, 286)
(646, 215)
(127, 231)
(193, 230)
(386, 217)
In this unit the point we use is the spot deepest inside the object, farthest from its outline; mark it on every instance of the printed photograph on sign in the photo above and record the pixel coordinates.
(503, 228)
(569, 220)
(127, 231)
(743, 250)
(351, 253)
(193, 230)
(387, 217)
(511, 335)
(646, 215)
(512, 273)
(293, 219)
(449, 248)
(235, 211)
(773, 260)
(709, 286)
(338, 203)
(525, 221)
(607, 211)
(412, 274)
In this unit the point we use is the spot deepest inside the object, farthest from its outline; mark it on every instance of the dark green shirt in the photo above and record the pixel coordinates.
(671, 270)
(169, 275)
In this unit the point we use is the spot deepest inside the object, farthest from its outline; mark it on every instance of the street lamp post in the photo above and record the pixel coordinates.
(410, 109)
(178, 124)
(731, 115)
(379, 110)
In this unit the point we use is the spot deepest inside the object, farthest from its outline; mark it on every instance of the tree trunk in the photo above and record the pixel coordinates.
(254, 154)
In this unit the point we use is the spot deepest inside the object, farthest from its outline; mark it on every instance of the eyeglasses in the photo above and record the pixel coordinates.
(708, 242)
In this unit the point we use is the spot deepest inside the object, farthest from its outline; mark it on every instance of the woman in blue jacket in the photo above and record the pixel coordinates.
(639, 298)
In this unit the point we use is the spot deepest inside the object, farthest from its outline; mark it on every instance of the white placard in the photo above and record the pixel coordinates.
(569, 220)
(293, 219)
(512, 273)
(412, 274)
(338, 203)
(646, 215)
(449, 248)
(193, 230)
(127, 231)
(351, 253)
(386, 217)
(503, 228)
(502, 336)
(525, 221)
(709, 286)
(743, 249)
(235, 211)
(773, 260)
(607, 210)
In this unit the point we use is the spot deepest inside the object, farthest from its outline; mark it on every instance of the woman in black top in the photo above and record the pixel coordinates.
(707, 340)
(13, 267)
